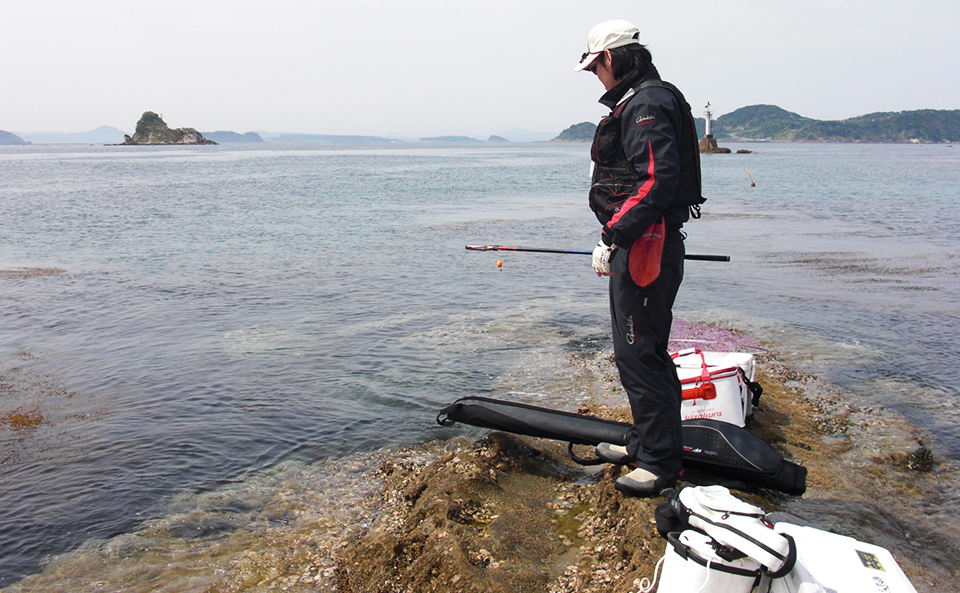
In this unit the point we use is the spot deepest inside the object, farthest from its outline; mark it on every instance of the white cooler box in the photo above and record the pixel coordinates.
(691, 565)
(827, 562)
(715, 385)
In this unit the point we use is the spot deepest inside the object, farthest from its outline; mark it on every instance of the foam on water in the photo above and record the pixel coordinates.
(261, 340)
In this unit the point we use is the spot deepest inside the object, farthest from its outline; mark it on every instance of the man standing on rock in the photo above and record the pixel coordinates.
(645, 185)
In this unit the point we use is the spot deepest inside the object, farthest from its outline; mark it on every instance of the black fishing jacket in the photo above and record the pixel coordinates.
(646, 161)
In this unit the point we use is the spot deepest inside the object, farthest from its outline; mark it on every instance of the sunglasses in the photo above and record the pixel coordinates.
(596, 62)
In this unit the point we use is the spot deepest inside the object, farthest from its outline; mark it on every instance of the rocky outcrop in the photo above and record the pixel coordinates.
(708, 145)
(151, 129)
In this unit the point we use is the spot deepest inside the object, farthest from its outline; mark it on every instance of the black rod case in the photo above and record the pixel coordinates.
(709, 445)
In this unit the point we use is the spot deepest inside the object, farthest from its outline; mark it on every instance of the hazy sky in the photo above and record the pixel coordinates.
(453, 67)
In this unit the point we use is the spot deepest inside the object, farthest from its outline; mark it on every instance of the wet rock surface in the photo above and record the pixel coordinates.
(480, 519)
(503, 515)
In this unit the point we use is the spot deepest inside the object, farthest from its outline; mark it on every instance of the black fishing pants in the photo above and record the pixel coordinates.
(641, 319)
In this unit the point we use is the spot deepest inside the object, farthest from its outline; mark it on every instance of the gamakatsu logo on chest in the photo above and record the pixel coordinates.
(631, 333)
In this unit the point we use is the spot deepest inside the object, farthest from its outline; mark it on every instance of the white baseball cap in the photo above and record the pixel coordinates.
(607, 35)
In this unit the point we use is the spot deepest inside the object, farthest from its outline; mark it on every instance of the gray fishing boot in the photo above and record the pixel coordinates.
(641, 482)
(616, 454)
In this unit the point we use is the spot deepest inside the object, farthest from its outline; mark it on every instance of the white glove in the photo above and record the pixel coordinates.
(602, 254)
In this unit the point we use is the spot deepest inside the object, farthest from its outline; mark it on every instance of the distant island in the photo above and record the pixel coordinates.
(450, 139)
(151, 129)
(9, 138)
(221, 137)
(330, 138)
(769, 122)
(773, 124)
(464, 139)
(582, 132)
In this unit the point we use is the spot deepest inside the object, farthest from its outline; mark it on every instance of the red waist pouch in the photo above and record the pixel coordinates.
(646, 253)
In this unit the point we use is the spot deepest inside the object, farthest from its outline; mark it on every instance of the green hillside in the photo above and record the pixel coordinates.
(759, 122)
(769, 122)
(582, 132)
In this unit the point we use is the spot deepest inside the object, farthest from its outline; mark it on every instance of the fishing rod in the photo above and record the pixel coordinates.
(690, 256)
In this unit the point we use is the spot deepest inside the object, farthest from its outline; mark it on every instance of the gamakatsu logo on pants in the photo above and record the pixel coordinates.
(631, 334)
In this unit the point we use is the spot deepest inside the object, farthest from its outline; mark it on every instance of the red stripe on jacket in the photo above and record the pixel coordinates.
(642, 191)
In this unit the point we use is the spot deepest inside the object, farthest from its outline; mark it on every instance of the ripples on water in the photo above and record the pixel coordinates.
(220, 311)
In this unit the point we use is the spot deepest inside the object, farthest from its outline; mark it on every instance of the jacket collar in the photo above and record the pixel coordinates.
(614, 96)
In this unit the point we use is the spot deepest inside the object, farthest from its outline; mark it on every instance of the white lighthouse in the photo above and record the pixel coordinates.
(707, 143)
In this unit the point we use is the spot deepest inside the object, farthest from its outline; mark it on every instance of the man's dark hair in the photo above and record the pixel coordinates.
(628, 58)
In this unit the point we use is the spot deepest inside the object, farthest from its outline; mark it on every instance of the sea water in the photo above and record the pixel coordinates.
(177, 323)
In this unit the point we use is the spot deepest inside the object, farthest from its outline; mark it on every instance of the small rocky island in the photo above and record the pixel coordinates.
(151, 129)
